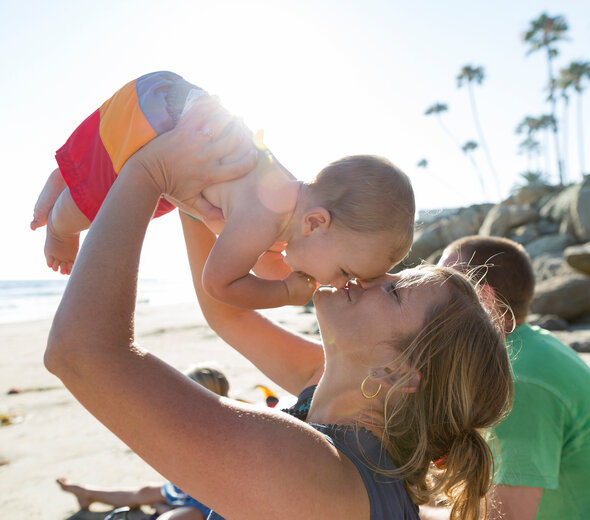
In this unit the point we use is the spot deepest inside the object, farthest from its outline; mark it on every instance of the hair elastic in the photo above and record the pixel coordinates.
(441, 462)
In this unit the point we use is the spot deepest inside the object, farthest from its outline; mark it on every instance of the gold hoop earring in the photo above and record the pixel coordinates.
(365, 395)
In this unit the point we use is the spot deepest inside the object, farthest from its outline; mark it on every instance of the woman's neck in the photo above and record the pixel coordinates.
(337, 401)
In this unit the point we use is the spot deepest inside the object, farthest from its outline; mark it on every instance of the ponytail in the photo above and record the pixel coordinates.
(467, 476)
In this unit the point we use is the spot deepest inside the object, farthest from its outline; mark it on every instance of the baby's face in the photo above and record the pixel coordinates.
(337, 256)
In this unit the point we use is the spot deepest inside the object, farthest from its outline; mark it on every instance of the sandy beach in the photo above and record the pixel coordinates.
(53, 436)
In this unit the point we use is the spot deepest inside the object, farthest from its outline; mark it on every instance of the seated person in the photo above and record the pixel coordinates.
(543, 447)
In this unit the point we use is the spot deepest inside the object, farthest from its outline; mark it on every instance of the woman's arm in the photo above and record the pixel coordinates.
(244, 463)
(290, 360)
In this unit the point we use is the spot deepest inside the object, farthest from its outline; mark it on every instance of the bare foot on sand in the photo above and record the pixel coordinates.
(53, 187)
(81, 494)
(64, 224)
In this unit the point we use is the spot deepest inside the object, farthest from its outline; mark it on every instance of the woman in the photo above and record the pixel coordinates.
(413, 370)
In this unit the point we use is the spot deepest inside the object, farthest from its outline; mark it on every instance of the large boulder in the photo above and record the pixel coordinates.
(525, 233)
(548, 244)
(502, 219)
(559, 206)
(547, 321)
(531, 193)
(550, 265)
(548, 227)
(580, 210)
(579, 257)
(438, 235)
(564, 296)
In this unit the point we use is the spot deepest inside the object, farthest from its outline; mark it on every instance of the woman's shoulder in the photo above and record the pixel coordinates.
(386, 491)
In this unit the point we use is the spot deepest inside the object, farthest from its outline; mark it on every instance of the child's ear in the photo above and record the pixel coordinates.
(317, 218)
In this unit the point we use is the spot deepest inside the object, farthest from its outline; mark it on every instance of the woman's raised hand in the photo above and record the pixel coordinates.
(207, 146)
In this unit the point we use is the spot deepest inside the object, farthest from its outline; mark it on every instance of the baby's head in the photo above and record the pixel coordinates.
(357, 221)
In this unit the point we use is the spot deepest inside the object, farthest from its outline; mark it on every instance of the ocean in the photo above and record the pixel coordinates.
(30, 300)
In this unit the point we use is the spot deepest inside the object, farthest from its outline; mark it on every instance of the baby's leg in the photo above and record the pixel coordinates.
(53, 187)
(64, 224)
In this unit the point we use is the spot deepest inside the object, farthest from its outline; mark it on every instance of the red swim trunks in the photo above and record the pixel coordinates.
(94, 154)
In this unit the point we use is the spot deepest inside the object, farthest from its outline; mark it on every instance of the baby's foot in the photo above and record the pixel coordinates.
(53, 187)
(60, 249)
(79, 492)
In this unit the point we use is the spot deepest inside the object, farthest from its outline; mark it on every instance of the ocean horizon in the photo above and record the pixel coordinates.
(31, 300)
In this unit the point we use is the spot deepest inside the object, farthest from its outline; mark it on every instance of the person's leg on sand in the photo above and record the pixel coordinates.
(53, 187)
(86, 495)
(64, 224)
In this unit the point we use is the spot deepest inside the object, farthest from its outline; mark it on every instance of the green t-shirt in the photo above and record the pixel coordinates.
(545, 441)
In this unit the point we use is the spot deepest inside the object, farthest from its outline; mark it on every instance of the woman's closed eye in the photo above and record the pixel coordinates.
(392, 289)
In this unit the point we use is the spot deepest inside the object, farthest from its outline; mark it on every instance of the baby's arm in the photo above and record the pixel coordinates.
(227, 272)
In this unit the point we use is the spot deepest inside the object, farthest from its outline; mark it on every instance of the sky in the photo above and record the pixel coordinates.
(323, 78)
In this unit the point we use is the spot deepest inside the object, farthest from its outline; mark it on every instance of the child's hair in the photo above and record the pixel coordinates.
(211, 378)
(508, 269)
(465, 388)
(368, 194)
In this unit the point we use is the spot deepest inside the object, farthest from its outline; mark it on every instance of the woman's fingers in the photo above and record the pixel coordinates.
(231, 170)
(197, 115)
(217, 123)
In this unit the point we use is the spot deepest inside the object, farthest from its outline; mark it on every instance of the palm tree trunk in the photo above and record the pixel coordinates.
(479, 177)
(581, 136)
(449, 133)
(546, 146)
(482, 140)
(555, 135)
(565, 131)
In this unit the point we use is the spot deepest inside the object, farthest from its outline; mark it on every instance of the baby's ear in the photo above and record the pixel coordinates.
(315, 219)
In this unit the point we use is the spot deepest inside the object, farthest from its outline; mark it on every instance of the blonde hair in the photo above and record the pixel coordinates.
(211, 378)
(368, 194)
(465, 388)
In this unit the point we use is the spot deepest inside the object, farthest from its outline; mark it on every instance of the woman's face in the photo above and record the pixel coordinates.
(365, 315)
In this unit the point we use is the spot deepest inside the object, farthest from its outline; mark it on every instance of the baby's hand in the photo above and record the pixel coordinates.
(271, 266)
(300, 288)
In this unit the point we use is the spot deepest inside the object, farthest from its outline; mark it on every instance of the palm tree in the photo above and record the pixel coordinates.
(544, 32)
(532, 177)
(563, 83)
(468, 148)
(533, 125)
(573, 76)
(532, 148)
(477, 75)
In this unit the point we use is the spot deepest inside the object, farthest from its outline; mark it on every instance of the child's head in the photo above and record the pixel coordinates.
(211, 378)
(363, 207)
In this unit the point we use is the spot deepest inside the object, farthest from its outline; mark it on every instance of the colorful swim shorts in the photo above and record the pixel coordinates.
(94, 154)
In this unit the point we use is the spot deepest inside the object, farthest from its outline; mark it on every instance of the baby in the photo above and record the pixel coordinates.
(354, 220)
